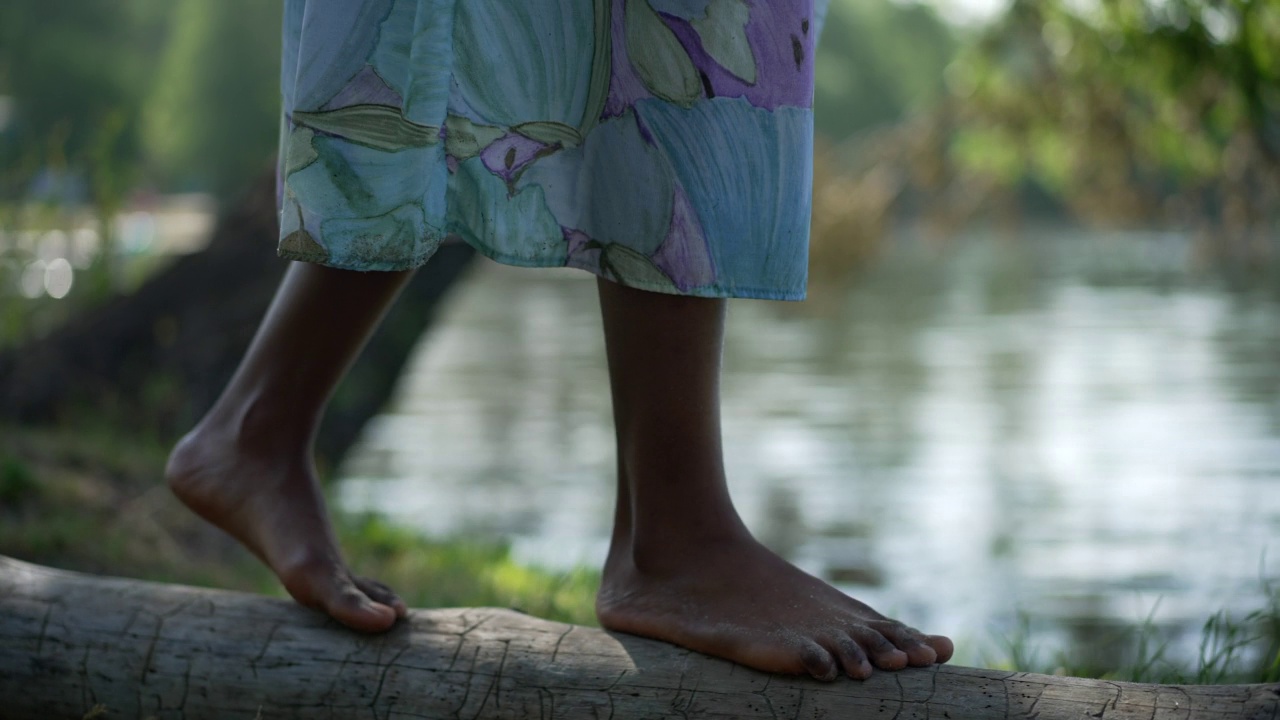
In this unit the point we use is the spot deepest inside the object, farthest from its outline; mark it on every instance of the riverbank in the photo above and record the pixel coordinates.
(91, 499)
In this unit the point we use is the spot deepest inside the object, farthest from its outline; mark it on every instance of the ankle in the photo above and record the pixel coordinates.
(674, 547)
(258, 426)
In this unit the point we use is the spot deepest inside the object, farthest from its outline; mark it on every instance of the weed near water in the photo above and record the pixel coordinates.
(1232, 648)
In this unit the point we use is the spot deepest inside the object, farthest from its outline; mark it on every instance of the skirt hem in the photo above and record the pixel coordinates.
(514, 261)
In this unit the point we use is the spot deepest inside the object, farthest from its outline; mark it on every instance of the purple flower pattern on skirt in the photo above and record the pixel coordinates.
(663, 144)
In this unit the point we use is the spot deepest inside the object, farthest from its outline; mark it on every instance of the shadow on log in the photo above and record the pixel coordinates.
(161, 355)
(71, 642)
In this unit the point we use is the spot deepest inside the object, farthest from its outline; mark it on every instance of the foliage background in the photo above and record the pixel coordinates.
(1117, 113)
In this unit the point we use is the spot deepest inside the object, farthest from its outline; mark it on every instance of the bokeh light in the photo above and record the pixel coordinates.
(58, 278)
(31, 284)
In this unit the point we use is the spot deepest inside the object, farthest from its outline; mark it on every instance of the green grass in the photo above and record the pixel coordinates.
(465, 573)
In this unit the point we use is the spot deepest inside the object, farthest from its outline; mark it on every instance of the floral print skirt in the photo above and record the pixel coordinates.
(663, 144)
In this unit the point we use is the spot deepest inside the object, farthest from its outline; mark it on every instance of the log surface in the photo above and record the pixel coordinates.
(71, 642)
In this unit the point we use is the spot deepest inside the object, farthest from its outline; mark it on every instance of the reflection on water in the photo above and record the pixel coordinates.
(1077, 428)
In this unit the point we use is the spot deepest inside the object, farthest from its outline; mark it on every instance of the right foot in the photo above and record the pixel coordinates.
(735, 599)
(274, 507)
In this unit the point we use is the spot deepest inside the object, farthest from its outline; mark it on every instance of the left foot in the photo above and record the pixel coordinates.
(736, 599)
(272, 504)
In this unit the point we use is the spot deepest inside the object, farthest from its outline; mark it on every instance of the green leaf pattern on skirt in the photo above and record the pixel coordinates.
(663, 144)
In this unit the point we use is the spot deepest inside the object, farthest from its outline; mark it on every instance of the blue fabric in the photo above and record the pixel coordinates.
(664, 144)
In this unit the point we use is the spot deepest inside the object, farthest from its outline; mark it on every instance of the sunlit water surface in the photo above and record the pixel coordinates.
(1080, 429)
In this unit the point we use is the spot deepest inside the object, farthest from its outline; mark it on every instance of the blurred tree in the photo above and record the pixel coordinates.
(89, 95)
(1136, 111)
(877, 63)
(76, 72)
(212, 119)
(158, 357)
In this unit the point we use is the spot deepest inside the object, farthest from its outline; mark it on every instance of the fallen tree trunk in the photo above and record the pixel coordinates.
(70, 643)
(161, 355)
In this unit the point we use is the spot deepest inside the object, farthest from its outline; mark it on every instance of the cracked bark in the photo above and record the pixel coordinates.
(215, 654)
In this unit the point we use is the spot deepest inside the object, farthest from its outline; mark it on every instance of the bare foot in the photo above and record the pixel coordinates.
(274, 507)
(736, 599)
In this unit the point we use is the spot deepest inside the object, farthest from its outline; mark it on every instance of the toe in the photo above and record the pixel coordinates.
(941, 645)
(323, 583)
(818, 662)
(380, 593)
(350, 606)
(852, 657)
(911, 642)
(881, 652)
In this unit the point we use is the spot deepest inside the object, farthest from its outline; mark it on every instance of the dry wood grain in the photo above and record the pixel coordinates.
(71, 642)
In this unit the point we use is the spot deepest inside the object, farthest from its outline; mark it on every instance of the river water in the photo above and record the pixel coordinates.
(1081, 430)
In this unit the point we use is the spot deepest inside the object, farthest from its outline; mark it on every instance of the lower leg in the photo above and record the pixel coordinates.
(682, 567)
(664, 366)
(247, 466)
